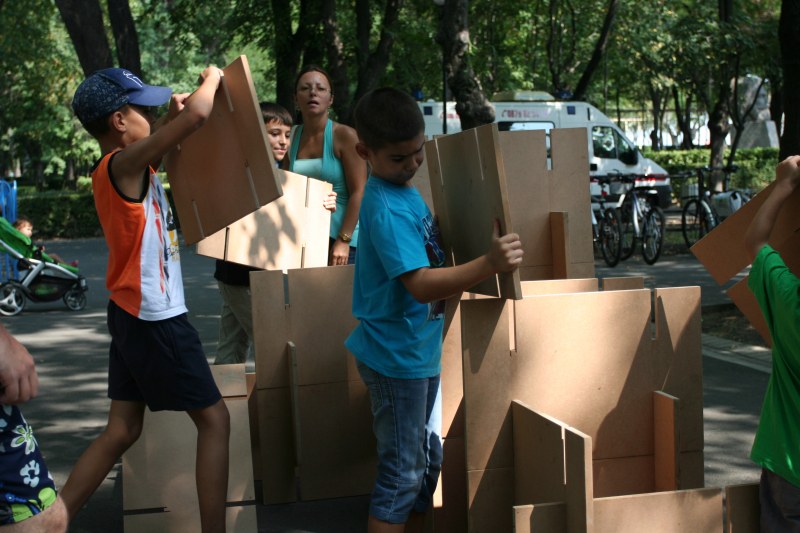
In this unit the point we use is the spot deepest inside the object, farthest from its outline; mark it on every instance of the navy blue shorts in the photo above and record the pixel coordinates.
(160, 362)
(26, 487)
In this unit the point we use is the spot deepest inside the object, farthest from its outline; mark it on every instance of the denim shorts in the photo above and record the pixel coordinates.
(407, 421)
(26, 487)
(159, 362)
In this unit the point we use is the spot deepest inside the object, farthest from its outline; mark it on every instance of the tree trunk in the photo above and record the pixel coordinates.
(336, 67)
(719, 128)
(599, 51)
(372, 65)
(789, 35)
(84, 22)
(125, 36)
(453, 36)
(683, 114)
(288, 47)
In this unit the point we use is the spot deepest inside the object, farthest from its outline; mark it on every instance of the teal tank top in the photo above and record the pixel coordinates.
(331, 171)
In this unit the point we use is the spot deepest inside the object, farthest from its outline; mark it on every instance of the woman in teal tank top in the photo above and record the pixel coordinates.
(324, 149)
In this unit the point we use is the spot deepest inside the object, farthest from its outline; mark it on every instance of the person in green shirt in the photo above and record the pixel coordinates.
(777, 289)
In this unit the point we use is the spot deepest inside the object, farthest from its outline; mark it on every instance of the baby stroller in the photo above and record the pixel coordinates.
(41, 278)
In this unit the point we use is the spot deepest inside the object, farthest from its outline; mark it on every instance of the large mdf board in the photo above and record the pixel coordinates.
(290, 232)
(723, 254)
(314, 413)
(591, 360)
(536, 191)
(158, 471)
(224, 170)
(469, 192)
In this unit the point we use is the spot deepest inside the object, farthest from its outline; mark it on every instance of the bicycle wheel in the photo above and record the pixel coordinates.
(697, 219)
(653, 235)
(627, 234)
(610, 240)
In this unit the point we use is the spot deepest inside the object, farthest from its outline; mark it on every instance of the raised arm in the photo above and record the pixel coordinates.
(431, 284)
(17, 371)
(187, 112)
(788, 178)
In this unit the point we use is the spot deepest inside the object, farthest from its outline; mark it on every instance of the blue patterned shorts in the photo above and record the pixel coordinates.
(26, 486)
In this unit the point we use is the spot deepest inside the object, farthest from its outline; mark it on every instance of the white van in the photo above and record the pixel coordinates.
(610, 152)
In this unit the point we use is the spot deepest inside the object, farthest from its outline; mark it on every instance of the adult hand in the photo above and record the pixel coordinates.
(340, 253)
(17, 371)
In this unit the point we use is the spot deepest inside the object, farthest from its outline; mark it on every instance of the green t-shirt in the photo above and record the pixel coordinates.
(777, 443)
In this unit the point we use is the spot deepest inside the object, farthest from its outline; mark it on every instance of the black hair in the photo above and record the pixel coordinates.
(99, 127)
(271, 111)
(385, 116)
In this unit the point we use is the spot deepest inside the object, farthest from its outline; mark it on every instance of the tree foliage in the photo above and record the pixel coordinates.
(614, 53)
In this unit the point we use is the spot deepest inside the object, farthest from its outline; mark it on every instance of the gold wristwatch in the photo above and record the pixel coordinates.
(346, 237)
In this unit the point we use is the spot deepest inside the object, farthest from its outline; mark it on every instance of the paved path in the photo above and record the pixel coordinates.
(71, 353)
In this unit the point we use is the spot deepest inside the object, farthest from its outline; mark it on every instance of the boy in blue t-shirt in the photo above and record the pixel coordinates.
(398, 297)
(777, 289)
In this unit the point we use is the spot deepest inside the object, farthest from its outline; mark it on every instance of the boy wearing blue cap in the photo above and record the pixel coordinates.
(155, 358)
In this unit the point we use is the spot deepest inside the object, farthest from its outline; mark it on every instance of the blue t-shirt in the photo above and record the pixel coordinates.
(397, 336)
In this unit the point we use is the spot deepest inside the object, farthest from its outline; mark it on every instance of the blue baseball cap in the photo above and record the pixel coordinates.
(107, 90)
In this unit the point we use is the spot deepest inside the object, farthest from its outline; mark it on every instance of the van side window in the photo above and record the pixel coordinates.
(604, 142)
(627, 152)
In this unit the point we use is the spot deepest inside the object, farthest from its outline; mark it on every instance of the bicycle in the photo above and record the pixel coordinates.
(606, 232)
(641, 220)
(702, 212)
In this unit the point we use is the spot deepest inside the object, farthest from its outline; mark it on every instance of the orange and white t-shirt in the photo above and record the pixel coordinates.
(144, 268)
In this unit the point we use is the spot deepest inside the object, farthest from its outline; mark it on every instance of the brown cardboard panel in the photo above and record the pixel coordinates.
(691, 470)
(225, 169)
(536, 288)
(746, 302)
(662, 512)
(623, 284)
(290, 232)
(678, 358)
(252, 410)
(490, 494)
(337, 456)
(270, 322)
(450, 498)
(452, 373)
(571, 166)
(241, 519)
(594, 370)
(469, 192)
(743, 508)
(539, 472)
(277, 445)
(422, 182)
(159, 469)
(624, 475)
(543, 517)
(561, 253)
(321, 301)
(665, 423)
(722, 251)
(580, 504)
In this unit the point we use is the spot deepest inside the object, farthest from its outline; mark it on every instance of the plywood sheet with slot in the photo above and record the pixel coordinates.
(224, 170)
(450, 498)
(469, 192)
(159, 469)
(595, 371)
(743, 508)
(744, 299)
(290, 232)
(270, 328)
(241, 519)
(722, 251)
(277, 451)
(665, 512)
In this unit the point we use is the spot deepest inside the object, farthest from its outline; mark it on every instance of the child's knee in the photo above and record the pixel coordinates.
(124, 434)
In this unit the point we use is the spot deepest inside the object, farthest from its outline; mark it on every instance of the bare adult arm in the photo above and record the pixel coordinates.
(186, 114)
(355, 172)
(431, 284)
(17, 371)
(787, 178)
